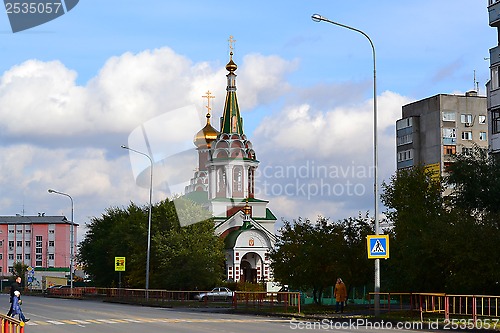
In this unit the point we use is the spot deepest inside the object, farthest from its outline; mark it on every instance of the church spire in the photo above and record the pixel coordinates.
(231, 121)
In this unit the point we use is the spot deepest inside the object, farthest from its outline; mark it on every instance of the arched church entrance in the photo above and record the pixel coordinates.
(249, 267)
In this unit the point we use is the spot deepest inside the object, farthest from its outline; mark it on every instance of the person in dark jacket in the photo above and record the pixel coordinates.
(16, 286)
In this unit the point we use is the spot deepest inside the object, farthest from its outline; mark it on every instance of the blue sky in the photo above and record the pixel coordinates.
(72, 91)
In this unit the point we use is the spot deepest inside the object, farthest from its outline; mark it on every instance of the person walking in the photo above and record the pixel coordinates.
(16, 307)
(340, 294)
(15, 286)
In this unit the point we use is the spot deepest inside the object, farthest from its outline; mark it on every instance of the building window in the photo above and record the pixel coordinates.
(405, 155)
(19, 231)
(449, 136)
(19, 257)
(449, 116)
(11, 231)
(27, 256)
(482, 119)
(494, 78)
(495, 121)
(11, 269)
(51, 243)
(482, 136)
(19, 243)
(38, 263)
(38, 241)
(51, 231)
(38, 250)
(237, 179)
(11, 256)
(11, 244)
(404, 123)
(466, 150)
(449, 150)
(1, 256)
(466, 119)
(467, 135)
(27, 243)
(51, 256)
(405, 139)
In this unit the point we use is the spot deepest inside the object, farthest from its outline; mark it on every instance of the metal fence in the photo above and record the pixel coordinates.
(474, 310)
(288, 301)
(11, 325)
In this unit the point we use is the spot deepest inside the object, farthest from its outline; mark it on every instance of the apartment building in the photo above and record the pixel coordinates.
(493, 85)
(37, 241)
(434, 129)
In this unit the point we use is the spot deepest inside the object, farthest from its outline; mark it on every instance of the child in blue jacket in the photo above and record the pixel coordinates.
(16, 306)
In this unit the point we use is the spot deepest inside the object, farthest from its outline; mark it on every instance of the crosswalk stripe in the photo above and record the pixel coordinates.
(142, 320)
(132, 320)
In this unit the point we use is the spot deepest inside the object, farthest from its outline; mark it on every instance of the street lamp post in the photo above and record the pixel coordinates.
(71, 238)
(319, 18)
(149, 217)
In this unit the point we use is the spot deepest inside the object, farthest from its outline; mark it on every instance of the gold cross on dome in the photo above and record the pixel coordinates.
(231, 41)
(208, 96)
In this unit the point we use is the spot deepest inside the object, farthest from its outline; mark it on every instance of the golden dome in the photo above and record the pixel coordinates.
(231, 66)
(206, 135)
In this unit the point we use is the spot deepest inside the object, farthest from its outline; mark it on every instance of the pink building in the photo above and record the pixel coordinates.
(37, 241)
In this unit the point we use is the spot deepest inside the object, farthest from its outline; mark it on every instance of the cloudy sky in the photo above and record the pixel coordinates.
(114, 72)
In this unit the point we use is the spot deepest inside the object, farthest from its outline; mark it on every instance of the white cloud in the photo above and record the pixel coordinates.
(334, 150)
(65, 136)
(61, 135)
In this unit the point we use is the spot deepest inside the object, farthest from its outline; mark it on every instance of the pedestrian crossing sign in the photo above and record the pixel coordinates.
(119, 264)
(378, 246)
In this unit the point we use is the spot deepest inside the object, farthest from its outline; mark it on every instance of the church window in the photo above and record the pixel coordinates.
(237, 179)
(221, 180)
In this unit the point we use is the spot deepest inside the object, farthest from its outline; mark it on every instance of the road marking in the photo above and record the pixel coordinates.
(146, 320)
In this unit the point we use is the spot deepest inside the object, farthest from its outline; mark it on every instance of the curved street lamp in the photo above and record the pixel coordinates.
(319, 18)
(149, 218)
(71, 238)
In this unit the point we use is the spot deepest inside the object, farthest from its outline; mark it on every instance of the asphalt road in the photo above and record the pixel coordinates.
(54, 315)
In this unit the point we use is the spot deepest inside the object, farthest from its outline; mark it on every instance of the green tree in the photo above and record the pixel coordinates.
(311, 255)
(474, 179)
(122, 232)
(475, 182)
(19, 269)
(418, 247)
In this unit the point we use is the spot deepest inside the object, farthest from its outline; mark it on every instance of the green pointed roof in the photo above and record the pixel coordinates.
(231, 121)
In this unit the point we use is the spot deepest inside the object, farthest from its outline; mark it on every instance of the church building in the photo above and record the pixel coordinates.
(225, 183)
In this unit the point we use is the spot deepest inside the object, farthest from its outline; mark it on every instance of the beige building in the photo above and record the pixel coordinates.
(434, 129)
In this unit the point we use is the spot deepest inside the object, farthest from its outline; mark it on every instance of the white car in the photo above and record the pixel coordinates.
(216, 294)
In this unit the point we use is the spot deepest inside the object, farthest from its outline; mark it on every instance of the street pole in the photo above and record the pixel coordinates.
(71, 238)
(148, 253)
(318, 18)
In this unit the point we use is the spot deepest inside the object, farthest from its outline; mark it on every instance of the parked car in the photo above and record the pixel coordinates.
(216, 294)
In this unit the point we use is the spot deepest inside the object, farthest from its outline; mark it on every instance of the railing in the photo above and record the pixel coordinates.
(11, 325)
(241, 299)
(260, 300)
(472, 309)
